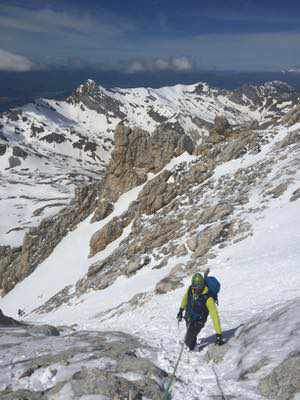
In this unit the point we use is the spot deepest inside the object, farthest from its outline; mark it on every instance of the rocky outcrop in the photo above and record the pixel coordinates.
(291, 138)
(9, 262)
(84, 364)
(39, 242)
(284, 381)
(266, 350)
(278, 190)
(292, 117)
(103, 209)
(214, 213)
(172, 281)
(174, 205)
(156, 236)
(201, 243)
(93, 97)
(156, 194)
(137, 152)
(137, 264)
(110, 232)
(221, 125)
(157, 199)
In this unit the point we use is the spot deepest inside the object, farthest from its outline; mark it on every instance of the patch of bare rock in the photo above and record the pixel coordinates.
(44, 363)
(265, 353)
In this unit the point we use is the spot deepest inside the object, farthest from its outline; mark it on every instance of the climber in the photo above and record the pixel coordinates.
(21, 313)
(197, 303)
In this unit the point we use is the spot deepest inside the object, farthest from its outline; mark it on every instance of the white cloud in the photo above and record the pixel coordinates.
(180, 64)
(136, 66)
(14, 62)
(46, 20)
(161, 64)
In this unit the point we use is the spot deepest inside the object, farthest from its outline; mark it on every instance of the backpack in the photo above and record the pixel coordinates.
(213, 285)
(196, 308)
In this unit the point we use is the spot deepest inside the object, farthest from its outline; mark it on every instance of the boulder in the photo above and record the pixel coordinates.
(137, 264)
(160, 233)
(172, 281)
(201, 243)
(192, 243)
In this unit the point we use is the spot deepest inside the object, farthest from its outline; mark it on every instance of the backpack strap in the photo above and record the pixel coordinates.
(191, 312)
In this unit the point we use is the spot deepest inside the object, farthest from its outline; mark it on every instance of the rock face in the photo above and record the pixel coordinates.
(110, 232)
(103, 209)
(221, 124)
(90, 96)
(201, 243)
(293, 116)
(9, 262)
(156, 194)
(284, 381)
(182, 217)
(137, 264)
(266, 351)
(106, 365)
(39, 242)
(172, 281)
(136, 153)
(191, 210)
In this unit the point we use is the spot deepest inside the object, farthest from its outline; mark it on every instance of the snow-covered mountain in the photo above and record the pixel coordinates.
(196, 178)
(48, 147)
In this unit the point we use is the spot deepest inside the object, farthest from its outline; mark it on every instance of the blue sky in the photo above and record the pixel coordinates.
(150, 35)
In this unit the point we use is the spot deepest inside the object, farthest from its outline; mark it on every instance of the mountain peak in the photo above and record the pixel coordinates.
(87, 87)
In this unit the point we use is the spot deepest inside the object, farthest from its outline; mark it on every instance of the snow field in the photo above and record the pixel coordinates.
(257, 274)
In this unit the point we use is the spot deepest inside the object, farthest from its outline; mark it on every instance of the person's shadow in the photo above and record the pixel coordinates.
(227, 335)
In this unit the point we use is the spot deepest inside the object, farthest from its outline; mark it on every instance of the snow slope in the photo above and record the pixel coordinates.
(258, 275)
(49, 147)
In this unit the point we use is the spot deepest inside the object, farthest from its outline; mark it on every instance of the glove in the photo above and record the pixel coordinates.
(220, 340)
(179, 315)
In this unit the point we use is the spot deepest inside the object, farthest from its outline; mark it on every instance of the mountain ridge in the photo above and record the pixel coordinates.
(170, 202)
(79, 133)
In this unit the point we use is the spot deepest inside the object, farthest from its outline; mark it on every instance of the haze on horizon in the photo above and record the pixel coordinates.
(139, 36)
